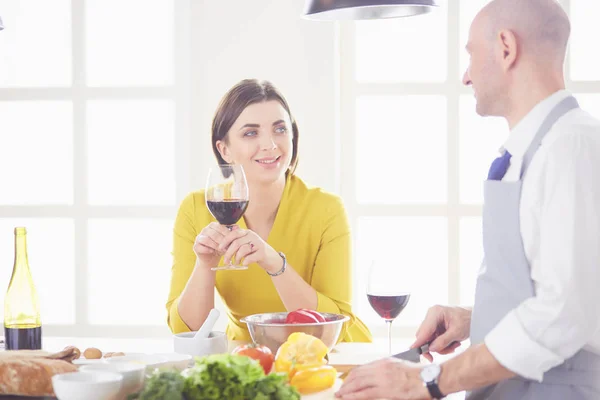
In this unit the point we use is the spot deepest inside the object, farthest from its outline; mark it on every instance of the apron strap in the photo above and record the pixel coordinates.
(558, 111)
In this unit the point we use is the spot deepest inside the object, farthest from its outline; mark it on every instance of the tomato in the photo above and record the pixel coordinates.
(313, 380)
(304, 316)
(257, 352)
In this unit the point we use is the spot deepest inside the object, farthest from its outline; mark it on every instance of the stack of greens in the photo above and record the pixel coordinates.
(221, 376)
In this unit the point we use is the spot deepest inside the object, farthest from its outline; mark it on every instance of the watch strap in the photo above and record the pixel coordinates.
(434, 390)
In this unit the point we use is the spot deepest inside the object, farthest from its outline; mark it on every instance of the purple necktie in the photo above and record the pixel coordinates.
(499, 167)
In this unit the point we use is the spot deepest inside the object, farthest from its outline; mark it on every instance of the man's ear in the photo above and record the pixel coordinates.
(508, 45)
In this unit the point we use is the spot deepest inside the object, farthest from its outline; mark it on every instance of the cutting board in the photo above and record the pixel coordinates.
(345, 357)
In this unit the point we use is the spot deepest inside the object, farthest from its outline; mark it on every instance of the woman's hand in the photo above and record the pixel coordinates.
(243, 244)
(207, 244)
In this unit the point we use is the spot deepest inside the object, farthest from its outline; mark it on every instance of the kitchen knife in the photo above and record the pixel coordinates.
(413, 355)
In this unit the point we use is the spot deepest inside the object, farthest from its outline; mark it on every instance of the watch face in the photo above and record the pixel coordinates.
(431, 372)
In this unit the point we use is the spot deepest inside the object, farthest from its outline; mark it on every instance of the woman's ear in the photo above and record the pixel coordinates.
(224, 151)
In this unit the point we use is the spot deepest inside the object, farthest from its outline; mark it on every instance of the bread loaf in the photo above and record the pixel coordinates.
(29, 373)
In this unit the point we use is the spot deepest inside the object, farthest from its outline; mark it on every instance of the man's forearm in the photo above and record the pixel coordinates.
(474, 368)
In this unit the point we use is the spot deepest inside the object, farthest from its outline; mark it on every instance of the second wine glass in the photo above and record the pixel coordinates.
(227, 198)
(386, 294)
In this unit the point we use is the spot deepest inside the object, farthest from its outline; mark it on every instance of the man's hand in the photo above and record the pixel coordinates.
(389, 379)
(444, 328)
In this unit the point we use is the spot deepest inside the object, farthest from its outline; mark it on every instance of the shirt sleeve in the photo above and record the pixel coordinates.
(332, 273)
(562, 317)
(184, 235)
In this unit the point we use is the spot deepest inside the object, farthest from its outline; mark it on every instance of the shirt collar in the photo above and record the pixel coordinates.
(521, 136)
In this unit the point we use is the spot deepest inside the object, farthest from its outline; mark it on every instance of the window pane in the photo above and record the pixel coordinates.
(468, 11)
(138, 47)
(590, 102)
(129, 271)
(471, 256)
(585, 63)
(35, 43)
(480, 140)
(402, 50)
(418, 247)
(36, 152)
(51, 253)
(396, 136)
(131, 152)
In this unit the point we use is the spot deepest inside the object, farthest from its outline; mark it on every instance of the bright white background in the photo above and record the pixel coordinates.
(105, 111)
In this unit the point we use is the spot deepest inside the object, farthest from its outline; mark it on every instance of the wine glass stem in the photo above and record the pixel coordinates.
(389, 324)
(230, 228)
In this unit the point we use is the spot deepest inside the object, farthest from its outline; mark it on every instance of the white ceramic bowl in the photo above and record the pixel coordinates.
(151, 361)
(85, 361)
(177, 361)
(133, 374)
(96, 385)
(216, 343)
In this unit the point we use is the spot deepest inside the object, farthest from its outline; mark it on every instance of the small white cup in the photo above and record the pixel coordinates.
(185, 343)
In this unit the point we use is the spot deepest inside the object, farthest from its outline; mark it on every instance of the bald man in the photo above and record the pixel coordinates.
(535, 324)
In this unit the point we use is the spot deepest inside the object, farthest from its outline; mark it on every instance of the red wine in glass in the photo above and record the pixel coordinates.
(227, 198)
(387, 292)
(227, 212)
(388, 307)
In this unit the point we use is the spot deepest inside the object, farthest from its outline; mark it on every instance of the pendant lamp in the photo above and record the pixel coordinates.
(366, 9)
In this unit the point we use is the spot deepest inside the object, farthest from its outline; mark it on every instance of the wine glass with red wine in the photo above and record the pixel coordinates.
(386, 294)
(227, 198)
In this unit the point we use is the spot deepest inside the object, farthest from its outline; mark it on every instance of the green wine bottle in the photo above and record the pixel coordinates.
(22, 322)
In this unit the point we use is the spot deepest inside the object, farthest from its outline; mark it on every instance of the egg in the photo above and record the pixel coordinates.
(92, 353)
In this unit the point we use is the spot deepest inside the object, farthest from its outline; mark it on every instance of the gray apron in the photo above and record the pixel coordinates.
(505, 282)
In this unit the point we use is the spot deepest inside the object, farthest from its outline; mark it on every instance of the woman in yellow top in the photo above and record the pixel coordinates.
(253, 127)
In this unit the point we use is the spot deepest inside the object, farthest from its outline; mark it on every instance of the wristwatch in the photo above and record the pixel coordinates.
(430, 375)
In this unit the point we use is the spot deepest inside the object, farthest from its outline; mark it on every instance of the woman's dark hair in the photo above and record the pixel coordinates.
(235, 101)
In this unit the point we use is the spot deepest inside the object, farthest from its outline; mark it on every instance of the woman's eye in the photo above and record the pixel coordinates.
(250, 133)
(281, 129)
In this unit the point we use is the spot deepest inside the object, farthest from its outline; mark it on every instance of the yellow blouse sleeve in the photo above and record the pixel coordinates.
(184, 259)
(332, 274)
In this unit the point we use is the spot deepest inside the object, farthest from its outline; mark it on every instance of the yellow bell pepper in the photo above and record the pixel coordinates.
(301, 367)
(313, 380)
(300, 349)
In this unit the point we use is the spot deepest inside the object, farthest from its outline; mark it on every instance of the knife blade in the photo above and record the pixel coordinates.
(413, 355)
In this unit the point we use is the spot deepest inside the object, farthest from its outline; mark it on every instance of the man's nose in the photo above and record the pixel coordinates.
(466, 80)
